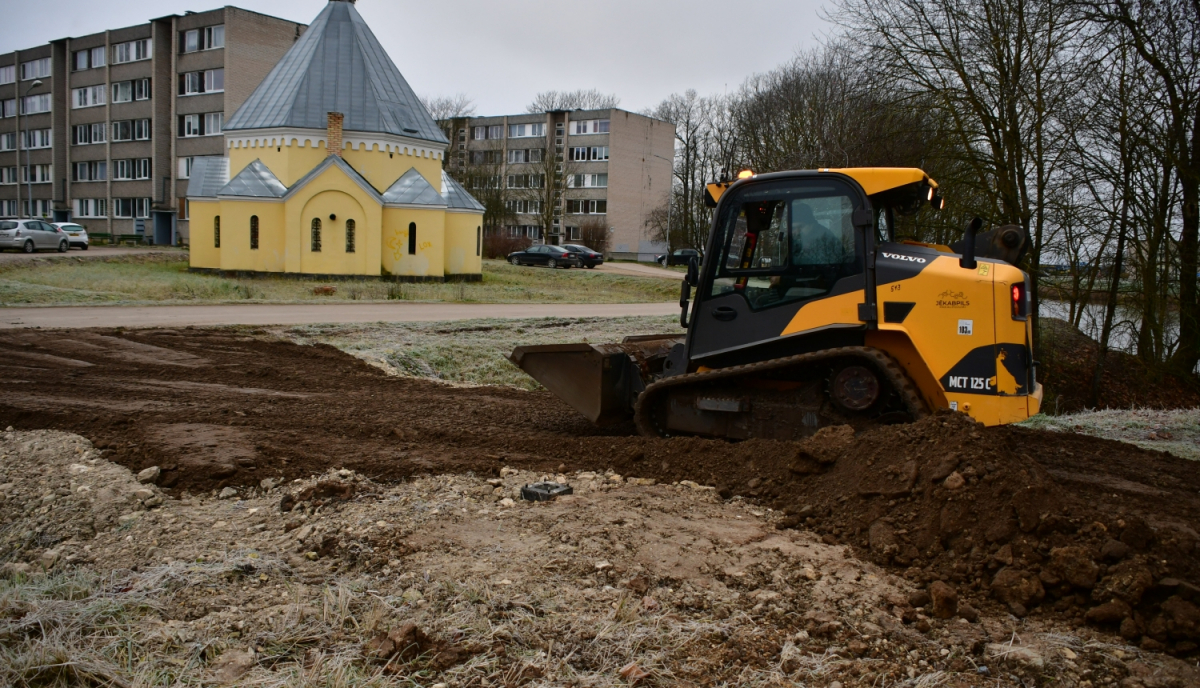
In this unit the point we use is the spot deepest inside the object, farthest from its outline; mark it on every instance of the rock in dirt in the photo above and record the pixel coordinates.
(231, 666)
(1111, 612)
(1073, 565)
(322, 493)
(954, 481)
(227, 493)
(1018, 587)
(945, 600)
(1017, 655)
(149, 475)
(408, 643)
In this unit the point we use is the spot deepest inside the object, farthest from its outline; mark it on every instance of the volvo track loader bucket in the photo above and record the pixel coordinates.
(600, 381)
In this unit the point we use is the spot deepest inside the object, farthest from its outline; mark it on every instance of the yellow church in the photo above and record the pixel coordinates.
(334, 168)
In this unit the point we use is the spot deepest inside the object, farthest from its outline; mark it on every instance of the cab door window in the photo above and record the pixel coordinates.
(786, 242)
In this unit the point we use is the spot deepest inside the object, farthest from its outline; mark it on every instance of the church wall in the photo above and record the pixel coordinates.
(201, 251)
(429, 259)
(288, 162)
(236, 251)
(464, 243)
(333, 193)
(382, 168)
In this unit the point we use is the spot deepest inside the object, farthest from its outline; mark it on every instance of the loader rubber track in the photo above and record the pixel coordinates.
(891, 371)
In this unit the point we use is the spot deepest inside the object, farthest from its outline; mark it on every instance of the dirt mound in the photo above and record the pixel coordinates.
(1050, 524)
(1068, 362)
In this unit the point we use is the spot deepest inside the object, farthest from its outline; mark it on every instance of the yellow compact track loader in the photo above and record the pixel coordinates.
(809, 313)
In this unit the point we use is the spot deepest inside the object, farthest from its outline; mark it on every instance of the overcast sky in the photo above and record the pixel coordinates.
(502, 52)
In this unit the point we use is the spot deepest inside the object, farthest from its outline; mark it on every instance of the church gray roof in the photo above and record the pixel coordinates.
(412, 189)
(209, 174)
(456, 196)
(255, 181)
(337, 65)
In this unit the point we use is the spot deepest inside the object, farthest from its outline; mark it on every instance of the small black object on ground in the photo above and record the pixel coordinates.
(544, 491)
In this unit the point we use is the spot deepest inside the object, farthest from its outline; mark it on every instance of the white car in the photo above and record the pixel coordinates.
(76, 234)
(31, 235)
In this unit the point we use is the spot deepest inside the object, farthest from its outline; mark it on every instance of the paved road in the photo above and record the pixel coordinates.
(93, 252)
(639, 270)
(303, 314)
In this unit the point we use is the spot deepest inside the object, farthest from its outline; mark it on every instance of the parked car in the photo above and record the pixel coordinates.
(679, 256)
(544, 254)
(31, 235)
(76, 234)
(587, 257)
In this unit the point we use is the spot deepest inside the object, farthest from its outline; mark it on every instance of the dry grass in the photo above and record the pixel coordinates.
(164, 279)
(1175, 431)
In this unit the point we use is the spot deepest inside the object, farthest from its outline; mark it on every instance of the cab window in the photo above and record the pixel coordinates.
(787, 241)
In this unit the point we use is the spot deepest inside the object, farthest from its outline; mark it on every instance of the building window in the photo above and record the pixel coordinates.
(88, 59)
(184, 208)
(209, 81)
(91, 207)
(9, 107)
(520, 131)
(587, 181)
(32, 105)
(526, 181)
(217, 231)
(36, 174)
(35, 69)
(39, 208)
(35, 138)
(580, 153)
(8, 141)
(203, 39)
(185, 167)
(131, 207)
(126, 91)
(590, 126)
(587, 207)
(8, 74)
(131, 51)
(123, 169)
(350, 236)
(412, 238)
(524, 206)
(94, 171)
(89, 96)
(254, 232)
(84, 134)
(141, 130)
(207, 124)
(315, 241)
(496, 131)
(478, 240)
(8, 175)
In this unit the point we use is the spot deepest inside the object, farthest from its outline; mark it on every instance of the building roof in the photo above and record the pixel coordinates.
(209, 175)
(347, 168)
(412, 189)
(456, 196)
(337, 65)
(255, 181)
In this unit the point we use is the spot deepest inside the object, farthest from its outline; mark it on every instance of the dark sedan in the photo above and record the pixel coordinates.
(587, 257)
(544, 254)
(679, 257)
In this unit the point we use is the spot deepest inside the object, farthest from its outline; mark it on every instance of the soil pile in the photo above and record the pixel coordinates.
(1047, 524)
(1068, 362)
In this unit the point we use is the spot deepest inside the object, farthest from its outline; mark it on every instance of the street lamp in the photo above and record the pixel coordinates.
(28, 155)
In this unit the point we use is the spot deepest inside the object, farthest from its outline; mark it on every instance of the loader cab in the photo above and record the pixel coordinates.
(781, 243)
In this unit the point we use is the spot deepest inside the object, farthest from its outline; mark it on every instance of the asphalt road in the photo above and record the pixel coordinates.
(93, 252)
(306, 314)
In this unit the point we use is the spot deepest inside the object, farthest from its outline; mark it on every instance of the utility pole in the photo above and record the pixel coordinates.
(28, 155)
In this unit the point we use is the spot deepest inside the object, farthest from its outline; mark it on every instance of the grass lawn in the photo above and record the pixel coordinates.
(164, 279)
(471, 351)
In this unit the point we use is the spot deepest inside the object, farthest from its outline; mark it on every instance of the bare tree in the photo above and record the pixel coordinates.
(593, 233)
(589, 99)
(449, 107)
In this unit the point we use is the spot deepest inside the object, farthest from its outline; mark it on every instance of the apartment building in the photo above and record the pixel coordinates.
(103, 129)
(592, 167)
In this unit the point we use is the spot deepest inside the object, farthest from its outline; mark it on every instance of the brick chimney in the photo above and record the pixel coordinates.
(333, 137)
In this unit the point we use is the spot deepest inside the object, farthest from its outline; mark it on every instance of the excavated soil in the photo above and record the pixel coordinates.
(1061, 526)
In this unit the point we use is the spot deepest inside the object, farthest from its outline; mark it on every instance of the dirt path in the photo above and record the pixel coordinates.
(640, 270)
(1051, 525)
(307, 314)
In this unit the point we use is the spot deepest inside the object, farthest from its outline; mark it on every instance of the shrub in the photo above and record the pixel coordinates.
(500, 245)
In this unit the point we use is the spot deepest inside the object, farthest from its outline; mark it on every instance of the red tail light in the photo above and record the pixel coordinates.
(1020, 301)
